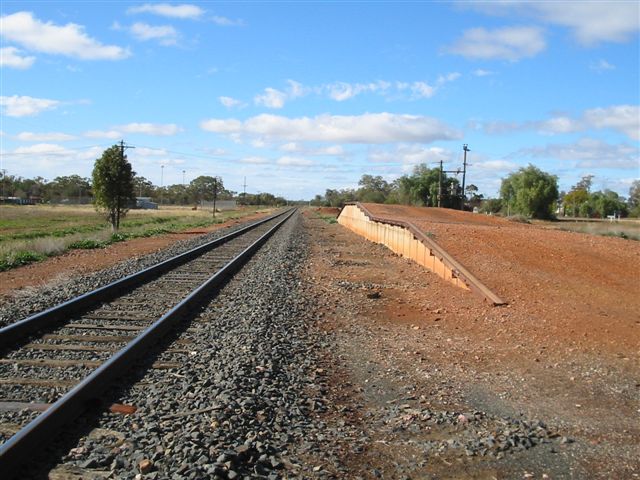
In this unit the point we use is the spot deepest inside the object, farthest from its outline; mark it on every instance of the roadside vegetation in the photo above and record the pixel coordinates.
(31, 233)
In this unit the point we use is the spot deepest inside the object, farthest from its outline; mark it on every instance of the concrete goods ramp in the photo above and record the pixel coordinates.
(405, 238)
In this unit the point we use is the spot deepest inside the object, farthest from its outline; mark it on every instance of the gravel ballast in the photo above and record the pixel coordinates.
(247, 394)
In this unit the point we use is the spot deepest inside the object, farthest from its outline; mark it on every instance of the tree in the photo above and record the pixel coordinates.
(202, 188)
(373, 189)
(634, 199)
(71, 187)
(113, 186)
(530, 192)
(575, 199)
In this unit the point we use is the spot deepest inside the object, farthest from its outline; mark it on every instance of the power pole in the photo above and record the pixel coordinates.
(440, 186)
(215, 191)
(244, 191)
(465, 147)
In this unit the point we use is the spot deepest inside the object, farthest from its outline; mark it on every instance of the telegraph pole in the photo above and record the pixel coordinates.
(440, 186)
(215, 195)
(244, 191)
(465, 147)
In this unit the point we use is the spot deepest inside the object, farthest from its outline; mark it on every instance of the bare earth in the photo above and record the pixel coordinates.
(566, 350)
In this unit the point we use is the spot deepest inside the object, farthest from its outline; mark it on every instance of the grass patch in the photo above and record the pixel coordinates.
(31, 233)
(628, 229)
(87, 244)
(18, 259)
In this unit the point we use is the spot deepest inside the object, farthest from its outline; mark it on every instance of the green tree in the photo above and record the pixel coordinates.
(72, 187)
(113, 186)
(373, 189)
(530, 192)
(634, 199)
(202, 188)
(422, 188)
(608, 203)
(576, 199)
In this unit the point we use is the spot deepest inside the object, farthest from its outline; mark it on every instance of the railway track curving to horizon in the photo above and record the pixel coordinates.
(60, 360)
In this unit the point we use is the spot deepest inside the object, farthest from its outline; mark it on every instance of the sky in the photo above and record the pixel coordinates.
(294, 98)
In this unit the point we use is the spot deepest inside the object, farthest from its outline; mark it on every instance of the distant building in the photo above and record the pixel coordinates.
(145, 203)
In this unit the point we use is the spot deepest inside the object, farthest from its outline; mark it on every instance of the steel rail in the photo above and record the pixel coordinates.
(10, 334)
(77, 400)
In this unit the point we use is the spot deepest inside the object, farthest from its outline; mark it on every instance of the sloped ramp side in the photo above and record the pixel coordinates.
(405, 239)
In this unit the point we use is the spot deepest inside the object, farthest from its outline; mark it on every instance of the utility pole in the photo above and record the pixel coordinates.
(440, 186)
(161, 184)
(465, 147)
(215, 194)
(244, 191)
(451, 190)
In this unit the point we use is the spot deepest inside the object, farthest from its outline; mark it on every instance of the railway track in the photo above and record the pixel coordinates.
(60, 360)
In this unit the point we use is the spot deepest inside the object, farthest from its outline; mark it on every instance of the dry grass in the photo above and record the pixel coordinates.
(44, 230)
(624, 228)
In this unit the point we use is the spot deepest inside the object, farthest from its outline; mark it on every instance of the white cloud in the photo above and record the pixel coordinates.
(227, 22)
(184, 11)
(366, 128)
(271, 98)
(422, 90)
(44, 137)
(508, 43)
(164, 34)
(296, 89)
(230, 102)
(42, 149)
(410, 155)
(274, 98)
(593, 22)
(69, 40)
(287, 161)
(163, 130)
(151, 152)
(495, 165)
(255, 160)
(601, 66)
(483, 73)
(589, 153)
(110, 134)
(25, 106)
(341, 91)
(292, 147)
(557, 125)
(449, 77)
(12, 57)
(623, 118)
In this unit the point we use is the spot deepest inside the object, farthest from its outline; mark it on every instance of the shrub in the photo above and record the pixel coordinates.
(87, 244)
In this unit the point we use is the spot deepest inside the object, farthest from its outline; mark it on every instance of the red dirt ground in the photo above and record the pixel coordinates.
(565, 349)
(565, 286)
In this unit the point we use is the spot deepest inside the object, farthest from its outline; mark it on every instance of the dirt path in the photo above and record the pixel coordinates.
(411, 349)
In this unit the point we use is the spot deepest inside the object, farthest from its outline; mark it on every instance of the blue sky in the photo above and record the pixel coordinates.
(299, 97)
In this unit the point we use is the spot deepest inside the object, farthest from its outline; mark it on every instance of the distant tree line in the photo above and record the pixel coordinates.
(74, 189)
(529, 191)
(427, 187)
